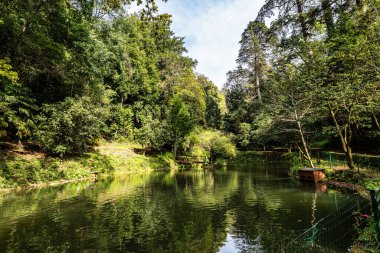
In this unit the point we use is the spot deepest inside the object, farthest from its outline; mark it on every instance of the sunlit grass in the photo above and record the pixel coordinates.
(108, 158)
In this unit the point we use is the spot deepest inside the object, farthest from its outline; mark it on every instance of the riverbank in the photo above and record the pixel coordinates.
(337, 175)
(360, 181)
(365, 177)
(176, 211)
(21, 167)
(263, 157)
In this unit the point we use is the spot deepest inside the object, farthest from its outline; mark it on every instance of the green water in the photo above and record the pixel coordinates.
(240, 209)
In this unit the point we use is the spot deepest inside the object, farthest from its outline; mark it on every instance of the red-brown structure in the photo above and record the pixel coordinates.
(311, 174)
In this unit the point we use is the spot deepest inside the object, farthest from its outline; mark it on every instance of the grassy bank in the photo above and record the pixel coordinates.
(366, 176)
(367, 173)
(262, 157)
(21, 168)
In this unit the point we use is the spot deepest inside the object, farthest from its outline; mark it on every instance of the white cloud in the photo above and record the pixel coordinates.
(212, 29)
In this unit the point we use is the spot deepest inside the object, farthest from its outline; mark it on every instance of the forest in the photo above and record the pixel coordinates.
(310, 79)
(73, 72)
(95, 97)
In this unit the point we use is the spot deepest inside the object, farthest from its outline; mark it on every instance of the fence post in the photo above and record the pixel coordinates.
(375, 198)
(330, 159)
(318, 157)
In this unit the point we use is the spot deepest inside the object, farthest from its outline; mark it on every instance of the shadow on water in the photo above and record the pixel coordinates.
(240, 209)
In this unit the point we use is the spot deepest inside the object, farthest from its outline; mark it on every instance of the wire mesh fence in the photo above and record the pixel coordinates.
(338, 160)
(328, 233)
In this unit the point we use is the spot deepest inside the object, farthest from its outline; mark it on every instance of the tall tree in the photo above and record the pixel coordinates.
(293, 106)
(180, 121)
(240, 105)
(15, 106)
(350, 77)
(252, 55)
(292, 16)
(215, 103)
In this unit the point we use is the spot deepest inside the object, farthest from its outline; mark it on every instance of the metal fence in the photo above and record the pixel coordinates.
(334, 159)
(328, 234)
(375, 199)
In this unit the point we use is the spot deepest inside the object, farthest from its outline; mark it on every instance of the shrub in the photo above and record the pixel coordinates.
(372, 184)
(210, 143)
(198, 142)
(152, 133)
(69, 127)
(22, 172)
(222, 147)
(367, 238)
(2, 182)
(97, 162)
(119, 124)
(220, 163)
(167, 160)
(347, 176)
(360, 160)
(244, 135)
(293, 161)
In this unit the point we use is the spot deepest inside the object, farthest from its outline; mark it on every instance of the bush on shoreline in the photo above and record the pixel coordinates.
(113, 158)
(212, 144)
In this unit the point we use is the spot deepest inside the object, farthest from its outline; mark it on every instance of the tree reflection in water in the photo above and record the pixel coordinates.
(239, 209)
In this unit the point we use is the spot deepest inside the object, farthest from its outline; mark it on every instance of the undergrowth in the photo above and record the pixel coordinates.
(111, 159)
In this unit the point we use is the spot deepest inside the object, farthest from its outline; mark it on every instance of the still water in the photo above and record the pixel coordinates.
(239, 209)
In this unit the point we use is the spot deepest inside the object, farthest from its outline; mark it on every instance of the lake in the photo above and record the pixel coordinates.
(242, 208)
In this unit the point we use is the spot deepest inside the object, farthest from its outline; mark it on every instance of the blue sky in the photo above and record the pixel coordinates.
(212, 31)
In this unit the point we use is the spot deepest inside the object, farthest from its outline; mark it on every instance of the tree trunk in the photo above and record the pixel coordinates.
(375, 120)
(305, 149)
(257, 80)
(349, 158)
(175, 145)
(364, 6)
(328, 17)
(344, 139)
(258, 89)
(301, 20)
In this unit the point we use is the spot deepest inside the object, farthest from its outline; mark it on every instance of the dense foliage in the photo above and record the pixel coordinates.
(69, 127)
(73, 72)
(212, 144)
(310, 78)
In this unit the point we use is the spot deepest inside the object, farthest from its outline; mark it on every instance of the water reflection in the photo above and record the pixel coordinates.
(241, 209)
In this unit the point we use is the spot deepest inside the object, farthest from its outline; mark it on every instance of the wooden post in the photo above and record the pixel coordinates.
(318, 157)
(375, 198)
(330, 159)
